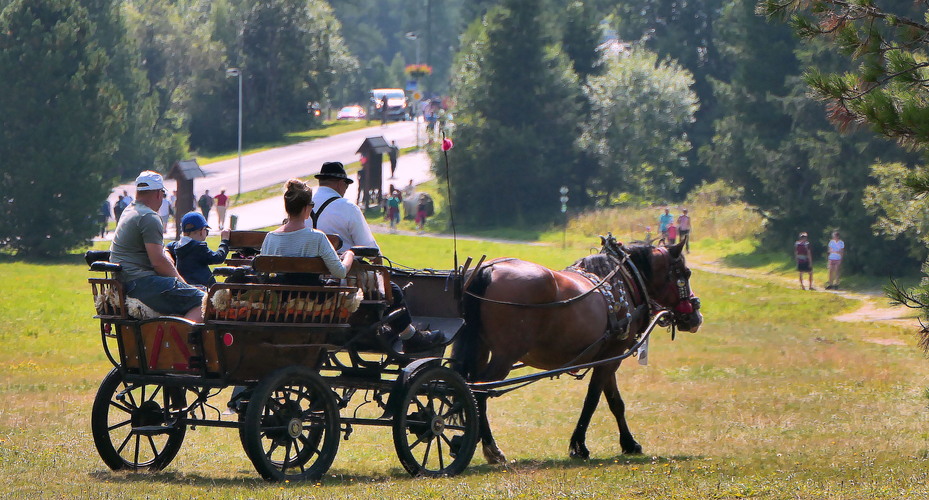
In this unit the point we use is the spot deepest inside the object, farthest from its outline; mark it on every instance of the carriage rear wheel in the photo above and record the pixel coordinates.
(137, 426)
(291, 426)
(436, 427)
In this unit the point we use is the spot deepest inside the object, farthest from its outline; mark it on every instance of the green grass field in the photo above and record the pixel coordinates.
(771, 399)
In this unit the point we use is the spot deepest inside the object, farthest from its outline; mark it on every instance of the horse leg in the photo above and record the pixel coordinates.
(615, 400)
(578, 446)
(497, 369)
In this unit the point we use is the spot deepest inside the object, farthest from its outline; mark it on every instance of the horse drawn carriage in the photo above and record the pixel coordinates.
(309, 363)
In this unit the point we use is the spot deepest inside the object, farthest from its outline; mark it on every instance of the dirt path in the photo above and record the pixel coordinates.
(874, 304)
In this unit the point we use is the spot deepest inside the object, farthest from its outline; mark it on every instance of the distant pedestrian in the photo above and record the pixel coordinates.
(421, 212)
(104, 216)
(683, 228)
(392, 154)
(393, 208)
(361, 186)
(663, 222)
(836, 253)
(221, 203)
(127, 200)
(384, 110)
(164, 212)
(672, 234)
(119, 206)
(804, 259)
(205, 203)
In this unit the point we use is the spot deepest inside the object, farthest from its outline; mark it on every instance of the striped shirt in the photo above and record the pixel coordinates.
(304, 242)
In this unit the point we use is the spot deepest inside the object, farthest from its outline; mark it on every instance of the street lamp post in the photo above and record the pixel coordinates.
(412, 35)
(564, 210)
(233, 73)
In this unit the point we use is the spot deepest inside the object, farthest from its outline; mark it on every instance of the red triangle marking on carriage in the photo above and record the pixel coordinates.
(156, 347)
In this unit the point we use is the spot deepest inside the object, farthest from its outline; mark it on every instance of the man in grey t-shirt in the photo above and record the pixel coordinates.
(138, 246)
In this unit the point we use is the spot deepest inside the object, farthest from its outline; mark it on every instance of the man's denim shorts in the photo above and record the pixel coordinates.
(168, 296)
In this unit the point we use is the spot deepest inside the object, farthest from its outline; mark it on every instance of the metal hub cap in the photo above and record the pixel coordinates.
(437, 425)
(294, 427)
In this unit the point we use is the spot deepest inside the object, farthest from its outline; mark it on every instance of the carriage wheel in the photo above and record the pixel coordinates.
(291, 427)
(135, 426)
(436, 427)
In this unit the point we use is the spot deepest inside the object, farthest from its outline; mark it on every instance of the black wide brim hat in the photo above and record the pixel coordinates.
(333, 170)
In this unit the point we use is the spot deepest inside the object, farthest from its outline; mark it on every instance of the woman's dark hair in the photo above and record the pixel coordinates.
(297, 196)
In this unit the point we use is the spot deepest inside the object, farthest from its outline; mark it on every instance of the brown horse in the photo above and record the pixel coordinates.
(520, 311)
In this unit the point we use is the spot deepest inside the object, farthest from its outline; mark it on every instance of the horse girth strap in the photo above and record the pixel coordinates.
(316, 213)
(548, 305)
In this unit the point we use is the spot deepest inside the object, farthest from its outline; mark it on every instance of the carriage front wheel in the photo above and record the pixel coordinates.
(137, 426)
(291, 426)
(436, 426)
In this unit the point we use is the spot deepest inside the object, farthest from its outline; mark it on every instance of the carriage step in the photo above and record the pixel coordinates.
(152, 430)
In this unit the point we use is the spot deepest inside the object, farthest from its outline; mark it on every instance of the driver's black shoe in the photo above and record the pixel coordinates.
(423, 340)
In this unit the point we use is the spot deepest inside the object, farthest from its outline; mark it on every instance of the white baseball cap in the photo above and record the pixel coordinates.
(149, 180)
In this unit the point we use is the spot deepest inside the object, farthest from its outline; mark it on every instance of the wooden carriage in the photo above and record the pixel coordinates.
(296, 355)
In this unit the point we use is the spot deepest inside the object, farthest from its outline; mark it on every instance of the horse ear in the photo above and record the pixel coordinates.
(675, 250)
(602, 241)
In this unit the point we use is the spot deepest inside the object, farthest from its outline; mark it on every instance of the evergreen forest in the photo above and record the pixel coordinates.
(625, 102)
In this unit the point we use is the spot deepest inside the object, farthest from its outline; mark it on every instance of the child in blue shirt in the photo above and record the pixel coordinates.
(191, 253)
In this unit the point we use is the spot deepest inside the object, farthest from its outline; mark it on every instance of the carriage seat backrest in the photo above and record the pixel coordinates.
(99, 261)
(274, 264)
(253, 239)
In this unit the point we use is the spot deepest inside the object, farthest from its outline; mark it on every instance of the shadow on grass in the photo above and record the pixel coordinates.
(335, 478)
(68, 259)
(759, 258)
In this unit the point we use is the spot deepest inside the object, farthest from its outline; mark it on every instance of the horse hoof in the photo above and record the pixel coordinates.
(580, 451)
(494, 456)
(635, 449)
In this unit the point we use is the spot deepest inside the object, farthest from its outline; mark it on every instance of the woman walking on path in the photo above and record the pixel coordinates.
(836, 252)
(804, 259)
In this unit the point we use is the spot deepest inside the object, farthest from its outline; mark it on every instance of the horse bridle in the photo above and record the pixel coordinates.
(688, 303)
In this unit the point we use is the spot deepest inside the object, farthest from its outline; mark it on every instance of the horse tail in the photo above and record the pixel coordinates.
(465, 350)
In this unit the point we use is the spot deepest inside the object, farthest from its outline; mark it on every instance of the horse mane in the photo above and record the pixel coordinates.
(602, 264)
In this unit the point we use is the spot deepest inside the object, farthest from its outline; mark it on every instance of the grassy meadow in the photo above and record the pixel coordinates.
(772, 398)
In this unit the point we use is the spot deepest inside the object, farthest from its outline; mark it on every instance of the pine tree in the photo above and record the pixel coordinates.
(516, 120)
(62, 118)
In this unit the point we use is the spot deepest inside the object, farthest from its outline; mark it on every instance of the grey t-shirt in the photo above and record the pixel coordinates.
(137, 226)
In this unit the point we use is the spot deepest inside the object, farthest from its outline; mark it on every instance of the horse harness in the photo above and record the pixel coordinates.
(615, 326)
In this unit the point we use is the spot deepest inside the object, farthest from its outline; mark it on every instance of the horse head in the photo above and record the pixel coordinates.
(671, 285)
(666, 277)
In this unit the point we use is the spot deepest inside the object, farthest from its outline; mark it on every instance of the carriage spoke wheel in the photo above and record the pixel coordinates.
(136, 426)
(291, 426)
(436, 428)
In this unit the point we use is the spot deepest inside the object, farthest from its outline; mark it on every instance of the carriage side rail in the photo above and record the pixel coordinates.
(501, 387)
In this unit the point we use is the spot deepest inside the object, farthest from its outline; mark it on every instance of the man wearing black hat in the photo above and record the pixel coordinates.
(336, 215)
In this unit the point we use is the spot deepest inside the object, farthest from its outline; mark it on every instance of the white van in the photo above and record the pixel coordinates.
(397, 106)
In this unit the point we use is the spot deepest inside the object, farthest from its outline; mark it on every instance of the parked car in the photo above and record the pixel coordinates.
(353, 112)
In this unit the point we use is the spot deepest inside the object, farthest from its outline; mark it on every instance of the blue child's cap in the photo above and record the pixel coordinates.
(193, 221)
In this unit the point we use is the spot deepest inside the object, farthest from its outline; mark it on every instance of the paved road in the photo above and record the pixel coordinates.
(270, 212)
(297, 160)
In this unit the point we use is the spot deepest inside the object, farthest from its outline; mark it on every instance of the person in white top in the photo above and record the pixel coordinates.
(336, 215)
(342, 217)
(836, 252)
(294, 239)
